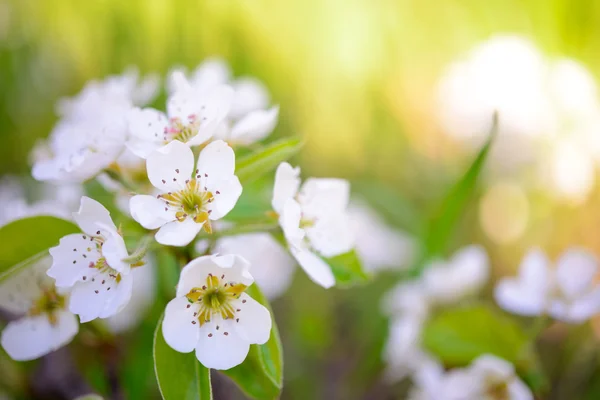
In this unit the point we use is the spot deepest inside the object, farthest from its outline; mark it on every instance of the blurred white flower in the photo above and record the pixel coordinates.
(378, 245)
(410, 303)
(125, 89)
(213, 315)
(549, 113)
(270, 265)
(190, 198)
(403, 353)
(44, 323)
(568, 293)
(191, 118)
(91, 263)
(487, 378)
(142, 296)
(92, 131)
(504, 74)
(56, 200)
(314, 220)
(250, 119)
(463, 275)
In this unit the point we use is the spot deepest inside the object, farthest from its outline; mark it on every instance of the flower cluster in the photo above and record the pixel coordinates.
(174, 173)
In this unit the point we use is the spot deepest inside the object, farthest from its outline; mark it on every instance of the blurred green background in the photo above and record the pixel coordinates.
(356, 78)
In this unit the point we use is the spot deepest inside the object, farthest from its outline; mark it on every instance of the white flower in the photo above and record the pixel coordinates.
(271, 266)
(487, 378)
(44, 324)
(212, 315)
(568, 293)
(191, 196)
(408, 298)
(250, 119)
(92, 132)
(91, 263)
(314, 220)
(403, 353)
(142, 296)
(191, 118)
(125, 89)
(463, 275)
(80, 149)
(378, 245)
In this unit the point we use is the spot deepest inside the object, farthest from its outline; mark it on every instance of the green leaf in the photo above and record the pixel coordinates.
(259, 163)
(347, 269)
(444, 221)
(180, 376)
(459, 335)
(260, 376)
(28, 239)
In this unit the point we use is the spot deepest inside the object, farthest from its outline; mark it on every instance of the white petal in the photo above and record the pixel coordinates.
(99, 297)
(20, 290)
(177, 233)
(72, 258)
(177, 327)
(289, 219)
(287, 182)
(255, 126)
(332, 235)
(90, 214)
(229, 192)
(488, 365)
(513, 296)
(321, 197)
(149, 211)
(212, 112)
(316, 269)
(575, 271)
(211, 72)
(270, 264)
(147, 124)
(194, 274)
(225, 348)
(120, 296)
(253, 321)
(170, 166)
(517, 390)
(32, 337)
(217, 160)
(183, 103)
(142, 148)
(114, 250)
(534, 272)
(250, 95)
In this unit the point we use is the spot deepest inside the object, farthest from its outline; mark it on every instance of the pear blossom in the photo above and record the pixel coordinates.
(250, 119)
(191, 118)
(464, 274)
(378, 245)
(191, 196)
(271, 266)
(92, 264)
(43, 322)
(314, 220)
(487, 378)
(212, 315)
(568, 292)
(92, 130)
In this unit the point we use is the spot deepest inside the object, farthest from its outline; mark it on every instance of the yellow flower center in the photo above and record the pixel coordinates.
(48, 303)
(215, 298)
(191, 202)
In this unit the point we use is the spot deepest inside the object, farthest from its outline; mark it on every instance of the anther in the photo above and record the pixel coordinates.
(225, 333)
